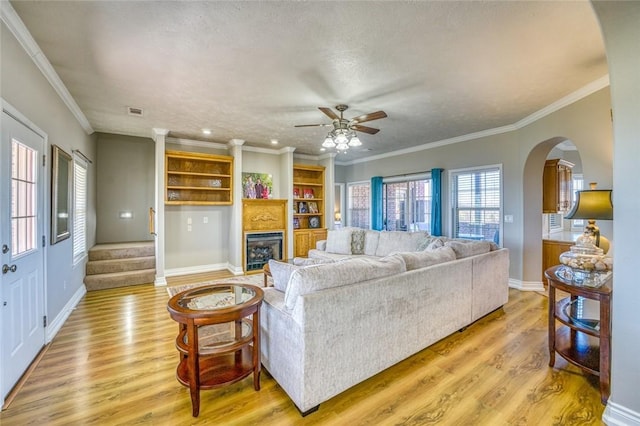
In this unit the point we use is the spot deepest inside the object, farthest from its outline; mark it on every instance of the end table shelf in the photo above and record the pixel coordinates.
(583, 341)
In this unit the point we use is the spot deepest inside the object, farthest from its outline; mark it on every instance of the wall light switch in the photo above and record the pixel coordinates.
(205, 219)
(189, 222)
(508, 218)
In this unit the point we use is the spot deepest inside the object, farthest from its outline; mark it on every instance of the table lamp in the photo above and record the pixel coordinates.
(586, 262)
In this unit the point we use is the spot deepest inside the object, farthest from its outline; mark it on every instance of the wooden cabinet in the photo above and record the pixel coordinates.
(198, 179)
(306, 239)
(556, 186)
(308, 207)
(580, 338)
(551, 251)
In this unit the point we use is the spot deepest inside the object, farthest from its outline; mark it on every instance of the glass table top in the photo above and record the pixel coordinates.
(216, 297)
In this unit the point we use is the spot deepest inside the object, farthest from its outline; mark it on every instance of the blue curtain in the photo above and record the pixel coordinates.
(436, 202)
(376, 203)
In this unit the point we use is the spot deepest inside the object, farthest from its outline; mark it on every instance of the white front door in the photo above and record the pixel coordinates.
(21, 250)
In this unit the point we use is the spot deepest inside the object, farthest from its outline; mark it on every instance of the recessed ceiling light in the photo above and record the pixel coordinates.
(323, 149)
(206, 131)
(274, 141)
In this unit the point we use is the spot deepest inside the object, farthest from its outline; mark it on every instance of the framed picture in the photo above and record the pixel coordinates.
(314, 221)
(257, 185)
(302, 207)
(61, 170)
(313, 207)
(296, 192)
(308, 193)
(296, 223)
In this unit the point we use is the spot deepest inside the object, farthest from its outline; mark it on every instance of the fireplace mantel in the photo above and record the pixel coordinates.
(263, 215)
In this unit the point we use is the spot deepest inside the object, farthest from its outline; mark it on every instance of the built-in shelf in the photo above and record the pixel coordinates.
(198, 179)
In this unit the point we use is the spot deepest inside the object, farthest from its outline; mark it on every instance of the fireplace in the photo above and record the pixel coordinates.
(262, 246)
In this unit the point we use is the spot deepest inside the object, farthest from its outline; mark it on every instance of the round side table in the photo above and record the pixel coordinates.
(218, 336)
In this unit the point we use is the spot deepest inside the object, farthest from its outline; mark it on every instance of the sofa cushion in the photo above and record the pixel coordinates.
(398, 241)
(426, 241)
(357, 241)
(280, 272)
(422, 259)
(466, 249)
(371, 242)
(339, 241)
(311, 279)
(306, 261)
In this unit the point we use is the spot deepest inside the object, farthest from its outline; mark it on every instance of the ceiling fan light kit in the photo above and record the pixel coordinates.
(344, 134)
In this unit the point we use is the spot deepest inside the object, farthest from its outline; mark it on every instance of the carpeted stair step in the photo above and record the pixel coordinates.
(120, 265)
(119, 279)
(122, 250)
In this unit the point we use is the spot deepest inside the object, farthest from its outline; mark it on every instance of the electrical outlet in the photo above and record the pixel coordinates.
(189, 228)
(508, 218)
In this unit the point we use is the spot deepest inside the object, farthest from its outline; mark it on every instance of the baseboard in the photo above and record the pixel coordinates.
(199, 269)
(526, 285)
(617, 415)
(54, 326)
(160, 281)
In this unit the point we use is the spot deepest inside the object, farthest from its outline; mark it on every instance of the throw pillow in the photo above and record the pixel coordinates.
(357, 241)
(339, 241)
(422, 259)
(280, 272)
(435, 244)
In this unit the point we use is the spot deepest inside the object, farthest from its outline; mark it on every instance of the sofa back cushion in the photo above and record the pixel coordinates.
(398, 241)
(339, 241)
(466, 249)
(280, 272)
(422, 259)
(371, 242)
(311, 279)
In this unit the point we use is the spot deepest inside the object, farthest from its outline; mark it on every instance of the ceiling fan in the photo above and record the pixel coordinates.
(343, 134)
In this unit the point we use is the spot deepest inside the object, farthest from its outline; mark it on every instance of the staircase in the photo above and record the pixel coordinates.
(120, 264)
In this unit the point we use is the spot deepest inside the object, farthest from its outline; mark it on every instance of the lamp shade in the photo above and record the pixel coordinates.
(594, 204)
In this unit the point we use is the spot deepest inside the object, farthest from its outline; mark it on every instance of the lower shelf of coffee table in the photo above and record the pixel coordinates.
(219, 370)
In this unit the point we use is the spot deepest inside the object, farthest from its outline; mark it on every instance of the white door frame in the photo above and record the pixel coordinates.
(46, 206)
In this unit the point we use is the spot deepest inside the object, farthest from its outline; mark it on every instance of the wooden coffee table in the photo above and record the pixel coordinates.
(217, 342)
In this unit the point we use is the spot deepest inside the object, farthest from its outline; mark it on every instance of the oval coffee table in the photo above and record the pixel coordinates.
(218, 343)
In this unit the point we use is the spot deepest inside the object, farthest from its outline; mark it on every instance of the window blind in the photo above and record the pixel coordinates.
(477, 201)
(79, 209)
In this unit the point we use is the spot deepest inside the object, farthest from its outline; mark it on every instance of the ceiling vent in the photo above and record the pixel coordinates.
(135, 111)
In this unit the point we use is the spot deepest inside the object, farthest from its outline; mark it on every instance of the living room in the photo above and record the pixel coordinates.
(520, 149)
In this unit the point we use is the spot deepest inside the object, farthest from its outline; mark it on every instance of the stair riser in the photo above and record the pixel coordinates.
(101, 282)
(120, 265)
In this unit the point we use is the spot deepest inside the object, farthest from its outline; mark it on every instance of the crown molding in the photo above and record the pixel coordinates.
(20, 32)
(269, 151)
(201, 144)
(579, 94)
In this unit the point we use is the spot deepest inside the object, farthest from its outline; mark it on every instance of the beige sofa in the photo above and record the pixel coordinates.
(326, 327)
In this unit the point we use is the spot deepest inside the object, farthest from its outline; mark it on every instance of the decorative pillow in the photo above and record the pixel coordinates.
(339, 241)
(357, 241)
(371, 239)
(435, 244)
(471, 248)
(280, 272)
(311, 279)
(422, 259)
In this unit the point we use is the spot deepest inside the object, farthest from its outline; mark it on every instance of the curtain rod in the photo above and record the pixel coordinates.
(82, 155)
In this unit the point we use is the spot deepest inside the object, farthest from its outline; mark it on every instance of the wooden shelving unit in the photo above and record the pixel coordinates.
(198, 179)
(556, 186)
(309, 207)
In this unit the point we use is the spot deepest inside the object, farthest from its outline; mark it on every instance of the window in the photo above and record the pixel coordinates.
(578, 185)
(79, 209)
(24, 207)
(476, 203)
(358, 204)
(407, 203)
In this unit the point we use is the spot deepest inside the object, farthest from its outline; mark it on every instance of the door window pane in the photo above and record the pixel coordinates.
(407, 205)
(358, 205)
(23, 198)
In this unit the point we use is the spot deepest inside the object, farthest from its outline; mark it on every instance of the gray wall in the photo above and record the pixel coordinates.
(26, 89)
(619, 23)
(522, 154)
(125, 182)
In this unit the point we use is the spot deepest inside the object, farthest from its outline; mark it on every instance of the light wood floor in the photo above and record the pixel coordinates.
(113, 363)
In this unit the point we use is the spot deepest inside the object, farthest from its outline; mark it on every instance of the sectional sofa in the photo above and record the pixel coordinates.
(332, 322)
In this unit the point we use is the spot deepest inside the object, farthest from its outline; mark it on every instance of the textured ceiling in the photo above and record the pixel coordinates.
(253, 70)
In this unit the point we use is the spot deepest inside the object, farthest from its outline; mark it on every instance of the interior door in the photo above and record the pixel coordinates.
(22, 253)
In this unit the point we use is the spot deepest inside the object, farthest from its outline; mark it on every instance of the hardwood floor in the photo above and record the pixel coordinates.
(114, 360)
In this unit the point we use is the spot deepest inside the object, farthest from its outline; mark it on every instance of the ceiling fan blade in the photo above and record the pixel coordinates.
(365, 129)
(329, 113)
(312, 125)
(369, 117)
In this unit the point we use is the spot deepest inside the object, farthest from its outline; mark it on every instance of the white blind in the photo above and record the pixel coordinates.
(476, 203)
(358, 205)
(79, 209)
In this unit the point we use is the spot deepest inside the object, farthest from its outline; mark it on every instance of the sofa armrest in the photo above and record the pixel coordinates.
(321, 245)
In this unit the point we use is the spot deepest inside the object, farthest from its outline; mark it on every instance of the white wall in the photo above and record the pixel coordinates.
(619, 23)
